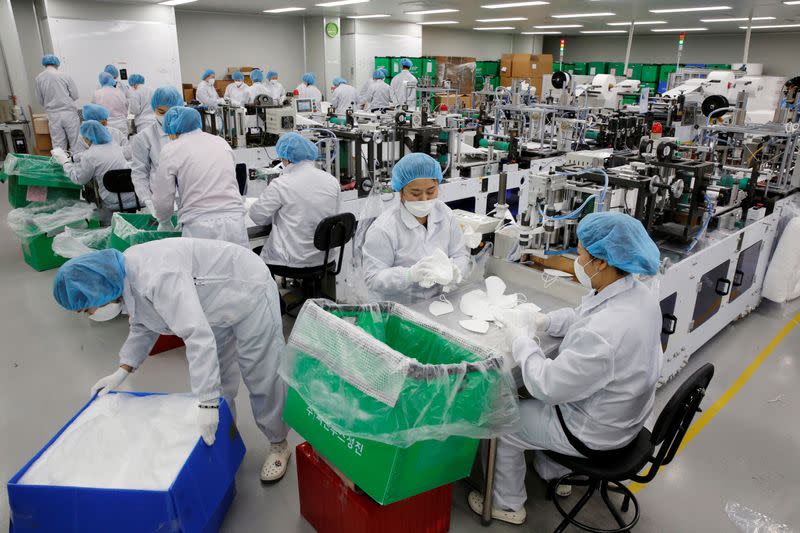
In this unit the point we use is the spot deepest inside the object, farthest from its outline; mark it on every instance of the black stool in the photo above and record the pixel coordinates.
(119, 181)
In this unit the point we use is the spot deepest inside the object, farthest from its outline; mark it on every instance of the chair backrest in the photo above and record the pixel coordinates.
(241, 178)
(335, 232)
(676, 417)
(119, 181)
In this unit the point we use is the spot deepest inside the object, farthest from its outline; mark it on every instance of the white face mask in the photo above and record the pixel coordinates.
(584, 278)
(160, 120)
(239, 83)
(107, 312)
(420, 209)
(211, 81)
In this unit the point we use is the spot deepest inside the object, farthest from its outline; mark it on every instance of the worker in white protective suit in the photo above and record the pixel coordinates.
(206, 92)
(237, 92)
(199, 171)
(292, 211)
(308, 89)
(101, 156)
(276, 89)
(57, 93)
(603, 380)
(219, 298)
(114, 100)
(398, 253)
(139, 97)
(343, 96)
(378, 95)
(147, 144)
(101, 114)
(404, 86)
(258, 88)
(119, 84)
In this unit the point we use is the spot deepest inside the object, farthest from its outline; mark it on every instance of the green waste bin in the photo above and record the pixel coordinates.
(129, 229)
(635, 71)
(428, 68)
(579, 68)
(34, 178)
(383, 62)
(416, 66)
(617, 67)
(596, 67)
(390, 398)
(486, 68)
(650, 73)
(664, 71)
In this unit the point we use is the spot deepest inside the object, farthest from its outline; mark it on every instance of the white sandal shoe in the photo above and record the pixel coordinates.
(277, 460)
(475, 501)
(564, 490)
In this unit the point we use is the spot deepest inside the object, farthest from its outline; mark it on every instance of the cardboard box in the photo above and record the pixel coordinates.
(505, 65)
(43, 143)
(506, 81)
(40, 124)
(189, 94)
(529, 65)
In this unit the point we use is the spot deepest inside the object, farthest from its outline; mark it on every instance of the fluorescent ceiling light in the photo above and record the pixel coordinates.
(176, 2)
(284, 9)
(508, 19)
(489, 28)
(582, 15)
(604, 31)
(637, 23)
(771, 26)
(368, 16)
(793, 3)
(674, 30)
(685, 9)
(437, 22)
(541, 33)
(557, 26)
(737, 19)
(431, 11)
(514, 4)
(341, 3)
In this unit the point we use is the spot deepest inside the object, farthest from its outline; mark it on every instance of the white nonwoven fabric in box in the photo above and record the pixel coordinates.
(122, 441)
(782, 281)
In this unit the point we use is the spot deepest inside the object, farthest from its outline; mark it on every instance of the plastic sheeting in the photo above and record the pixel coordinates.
(385, 373)
(23, 165)
(76, 242)
(122, 441)
(48, 218)
(749, 521)
(782, 280)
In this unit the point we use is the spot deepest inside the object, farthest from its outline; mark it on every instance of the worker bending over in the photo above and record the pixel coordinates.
(603, 381)
(114, 100)
(399, 246)
(343, 97)
(219, 298)
(100, 114)
(57, 93)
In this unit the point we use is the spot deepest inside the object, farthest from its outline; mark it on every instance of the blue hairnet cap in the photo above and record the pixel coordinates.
(238, 76)
(379, 74)
(50, 59)
(181, 120)
(136, 79)
(91, 280)
(166, 96)
(95, 132)
(338, 81)
(271, 74)
(95, 112)
(295, 148)
(206, 73)
(413, 167)
(621, 240)
(111, 69)
(309, 78)
(257, 75)
(406, 63)
(106, 80)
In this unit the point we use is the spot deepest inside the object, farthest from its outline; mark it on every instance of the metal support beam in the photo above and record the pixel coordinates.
(628, 50)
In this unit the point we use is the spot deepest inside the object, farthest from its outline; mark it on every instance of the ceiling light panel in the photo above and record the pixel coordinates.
(338, 3)
(677, 30)
(637, 23)
(688, 9)
(431, 11)
(771, 27)
(582, 15)
(558, 26)
(514, 4)
(736, 19)
(508, 19)
(491, 28)
(437, 22)
(284, 10)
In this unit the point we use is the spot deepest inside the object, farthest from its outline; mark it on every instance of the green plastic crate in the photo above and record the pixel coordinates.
(428, 68)
(617, 67)
(383, 62)
(494, 82)
(430, 400)
(579, 68)
(129, 229)
(416, 66)
(649, 73)
(635, 71)
(487, 68)
(665, 71)
(596, 67)
(718, 66)
(38, 251)
(34, 178)
(394, 66)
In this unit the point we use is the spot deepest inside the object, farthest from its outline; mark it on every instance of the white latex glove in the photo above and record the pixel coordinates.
(208, 420)
(165, 226)
(536, 321)
(458, 277)
(150, 207)
(59, 155)
(422, 270)
(102, 387)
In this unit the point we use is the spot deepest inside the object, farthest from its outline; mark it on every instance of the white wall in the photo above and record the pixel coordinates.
(30, 41)
(465, 43)
(219, 41)
(777, 51)
(88, 10)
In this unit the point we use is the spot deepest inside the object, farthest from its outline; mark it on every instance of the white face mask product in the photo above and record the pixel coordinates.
(420, 209)
(440, 307)
(584, 278)
(476, 326)
(106, 312)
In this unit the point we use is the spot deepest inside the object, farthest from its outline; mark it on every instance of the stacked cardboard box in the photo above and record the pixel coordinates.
(528, 67)
(41, 131)
(460, 71)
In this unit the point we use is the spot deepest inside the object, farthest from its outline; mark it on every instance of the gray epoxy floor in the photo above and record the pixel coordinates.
(748, 453)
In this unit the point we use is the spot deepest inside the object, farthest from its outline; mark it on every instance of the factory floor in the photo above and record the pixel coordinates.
(746, 453)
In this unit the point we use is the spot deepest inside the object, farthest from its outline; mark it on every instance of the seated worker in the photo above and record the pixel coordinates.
(114, 100)
(219, 298)
(295, 203)
(237, 92)
(100, 114)
(101, 156)
(198, 169)
(398, 246)
(343, 97)
(603, 380)
(139, 98)
(378, 95)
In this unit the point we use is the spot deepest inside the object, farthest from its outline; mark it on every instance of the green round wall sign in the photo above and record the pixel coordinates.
(331, 29)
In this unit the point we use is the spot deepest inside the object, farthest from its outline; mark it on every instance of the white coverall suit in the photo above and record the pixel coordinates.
(309, 91)
(93, 165)
(603, 379)
(139, 104)
(404, 89)
(221, 300)
(57, 92)
(344, 97)
(145, 154)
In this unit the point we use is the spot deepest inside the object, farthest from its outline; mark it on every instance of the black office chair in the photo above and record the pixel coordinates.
(607, 470)
(332, 232)
(119, 181)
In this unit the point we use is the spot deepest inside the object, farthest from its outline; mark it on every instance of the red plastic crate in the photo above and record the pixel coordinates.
(166, 343)
(332, 507)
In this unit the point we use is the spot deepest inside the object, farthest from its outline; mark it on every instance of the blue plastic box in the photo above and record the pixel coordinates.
(197, 501)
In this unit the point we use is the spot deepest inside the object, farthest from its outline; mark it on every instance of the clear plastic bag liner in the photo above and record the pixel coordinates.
(49, 218)
(24, 164)
(139, 229)
(749, 521)
(386, 373)
(373, 207)
(74, 242)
